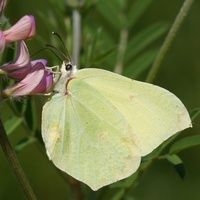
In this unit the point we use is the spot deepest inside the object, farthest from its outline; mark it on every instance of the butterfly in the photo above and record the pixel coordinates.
(98, 124)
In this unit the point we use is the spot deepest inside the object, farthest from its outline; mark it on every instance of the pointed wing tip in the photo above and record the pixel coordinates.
(190, 125)
(185, 120)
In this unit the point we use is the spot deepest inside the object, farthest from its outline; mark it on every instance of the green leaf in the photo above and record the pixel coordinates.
(24, 143)
(140, 41)
(174, 159)
(28, 114)
(34, 114)
(140, 64)
(195, 113)
(110, 11)
(24, 106)
(104, 54)
(178, 164)
(184, 143)
(12, 123)
(137, 9)
(118, 195)
(92, 46)
(126, 183)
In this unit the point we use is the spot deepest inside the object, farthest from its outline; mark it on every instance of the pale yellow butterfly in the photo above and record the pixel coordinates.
(99, 124)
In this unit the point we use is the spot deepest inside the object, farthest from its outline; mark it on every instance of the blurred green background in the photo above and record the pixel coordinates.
(147, 22)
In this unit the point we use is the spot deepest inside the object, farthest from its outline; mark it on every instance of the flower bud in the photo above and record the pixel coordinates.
(23, 29)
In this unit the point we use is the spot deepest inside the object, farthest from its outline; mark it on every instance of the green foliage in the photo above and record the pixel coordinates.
(184, 143)
(146, 23)
(12, 124)
(178, 164)
(112, 18)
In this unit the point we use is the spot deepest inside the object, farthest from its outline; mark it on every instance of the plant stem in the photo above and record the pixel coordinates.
(121, 51)
(76, 18)
(15, 165)
(169, 39)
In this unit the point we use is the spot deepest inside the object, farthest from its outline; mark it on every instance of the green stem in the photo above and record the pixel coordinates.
(76, 18)
(169, 39)
(121, 51)
(77, 30)
(15, 165)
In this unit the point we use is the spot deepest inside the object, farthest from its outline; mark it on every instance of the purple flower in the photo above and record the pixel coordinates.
(33, 76)
(23, 29)
(38, 81)
(21, 66)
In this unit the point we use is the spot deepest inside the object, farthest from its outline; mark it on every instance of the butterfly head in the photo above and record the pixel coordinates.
(68, 70)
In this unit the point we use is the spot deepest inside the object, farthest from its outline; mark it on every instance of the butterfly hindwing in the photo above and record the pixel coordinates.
(95, 144)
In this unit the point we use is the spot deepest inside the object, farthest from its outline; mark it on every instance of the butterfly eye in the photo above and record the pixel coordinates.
(68, 67)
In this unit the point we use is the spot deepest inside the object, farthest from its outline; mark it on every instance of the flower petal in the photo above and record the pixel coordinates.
(21, 66)
(22, 58)
(43, 61)
(23, 29)
(49, 81)
(45, 85)
(27, 85)
(39, 80)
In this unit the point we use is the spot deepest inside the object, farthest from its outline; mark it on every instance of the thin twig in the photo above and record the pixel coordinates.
(76, 19)
(169, 39)
(15, 164)
(121, 51)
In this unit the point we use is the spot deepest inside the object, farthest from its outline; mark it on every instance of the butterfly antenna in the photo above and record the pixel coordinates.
(37, 52)
(63, 45)
(54, 49)
(60, 39)
(49, 49)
